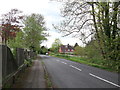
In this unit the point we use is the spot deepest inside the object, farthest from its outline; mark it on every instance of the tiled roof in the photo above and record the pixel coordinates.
(64, 47)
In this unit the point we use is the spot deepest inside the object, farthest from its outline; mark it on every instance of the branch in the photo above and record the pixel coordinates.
(76, 28)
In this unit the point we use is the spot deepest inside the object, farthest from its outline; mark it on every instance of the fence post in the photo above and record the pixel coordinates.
(0, 66)
(4, 61)
(20, 56)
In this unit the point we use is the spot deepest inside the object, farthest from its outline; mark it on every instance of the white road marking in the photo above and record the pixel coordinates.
(57, 60)
(104, 80)
(63, 62)
(75, 67)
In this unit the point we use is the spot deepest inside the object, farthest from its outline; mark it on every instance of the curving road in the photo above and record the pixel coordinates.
(68, 74)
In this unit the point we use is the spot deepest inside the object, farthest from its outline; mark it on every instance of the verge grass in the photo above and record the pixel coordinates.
(99, 63)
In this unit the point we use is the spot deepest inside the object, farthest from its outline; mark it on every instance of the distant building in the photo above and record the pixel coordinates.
(66, 49)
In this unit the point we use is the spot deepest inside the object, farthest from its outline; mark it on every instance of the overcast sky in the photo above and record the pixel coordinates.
(49, 9)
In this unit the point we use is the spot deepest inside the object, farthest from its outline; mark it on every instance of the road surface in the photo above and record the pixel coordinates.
(68, 74)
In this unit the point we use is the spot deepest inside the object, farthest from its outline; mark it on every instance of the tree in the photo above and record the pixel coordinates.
(34, 31)
(18, 41)
(107, 30)
(43, 50)
(77, 20)
(92, 50)
(79, 51)
(94, 21)
(10, 24)
(56, 44)
(76, 44)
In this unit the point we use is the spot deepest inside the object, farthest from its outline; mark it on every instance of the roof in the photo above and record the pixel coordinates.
(64, 47)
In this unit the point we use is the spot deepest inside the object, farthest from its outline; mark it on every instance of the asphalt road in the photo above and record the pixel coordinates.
(68, 74)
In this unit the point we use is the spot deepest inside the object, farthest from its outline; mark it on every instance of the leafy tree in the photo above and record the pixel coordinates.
(92, 50)
(18, 41)
(34, 31)
(55, 45)
(43, 50)
(10, 24)
(107, 30)
(79, 51)
(94, 21)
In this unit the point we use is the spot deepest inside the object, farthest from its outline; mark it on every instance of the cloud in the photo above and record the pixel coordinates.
(49, 9)
(51, 39)
(64, 40)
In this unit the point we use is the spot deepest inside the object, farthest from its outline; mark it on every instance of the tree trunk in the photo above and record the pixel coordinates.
(97, 32)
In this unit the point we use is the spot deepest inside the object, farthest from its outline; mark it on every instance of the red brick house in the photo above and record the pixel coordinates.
(66, 49)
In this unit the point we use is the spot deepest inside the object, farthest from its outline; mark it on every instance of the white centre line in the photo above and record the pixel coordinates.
(75, 67)
(57, 60)
(104, 80)
(63, 62)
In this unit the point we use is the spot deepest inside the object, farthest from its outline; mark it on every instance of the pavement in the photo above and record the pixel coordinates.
(33, 77)
(69, 74)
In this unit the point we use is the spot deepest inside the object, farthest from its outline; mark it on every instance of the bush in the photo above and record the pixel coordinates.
(79, 51)
(28, 62)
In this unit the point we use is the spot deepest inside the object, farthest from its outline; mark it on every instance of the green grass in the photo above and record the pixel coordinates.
(99, 63)
(47, 78)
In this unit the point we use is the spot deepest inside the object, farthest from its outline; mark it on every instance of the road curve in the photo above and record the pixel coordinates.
(68, 74)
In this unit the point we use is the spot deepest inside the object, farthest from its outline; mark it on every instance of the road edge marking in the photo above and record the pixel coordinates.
(75, 67)
(104, 80)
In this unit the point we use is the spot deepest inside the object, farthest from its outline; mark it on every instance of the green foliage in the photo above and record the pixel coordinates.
(102, 26)
(32, 35)
(63, 55)
(18, 42)
(28, 62)
(55, 45)
(79, 51)
(108, 32)
(92, 50)
(51, 54)
(43, 50)
(46, 76)
(92, 62)
(34, 31)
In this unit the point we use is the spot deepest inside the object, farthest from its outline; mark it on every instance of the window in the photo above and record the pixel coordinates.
(66, 46)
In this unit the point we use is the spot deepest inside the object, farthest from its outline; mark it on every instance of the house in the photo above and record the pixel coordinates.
(66, 49)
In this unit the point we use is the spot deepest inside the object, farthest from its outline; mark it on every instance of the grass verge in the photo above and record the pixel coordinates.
(85, 61)
(48, 81)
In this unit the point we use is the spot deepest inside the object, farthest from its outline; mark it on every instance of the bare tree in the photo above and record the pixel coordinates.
(78, 20)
